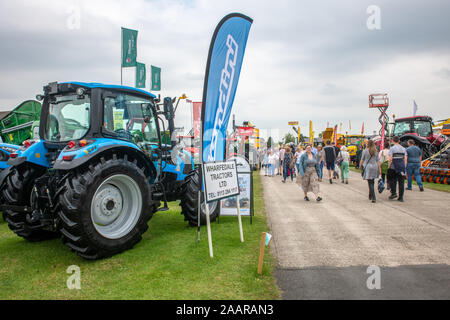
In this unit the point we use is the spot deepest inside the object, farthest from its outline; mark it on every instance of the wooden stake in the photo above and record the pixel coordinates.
(262, 246)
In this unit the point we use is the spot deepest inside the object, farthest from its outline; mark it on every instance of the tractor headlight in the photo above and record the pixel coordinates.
(80, 92)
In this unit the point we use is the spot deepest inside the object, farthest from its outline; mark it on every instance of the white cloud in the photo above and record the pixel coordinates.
(305, 60)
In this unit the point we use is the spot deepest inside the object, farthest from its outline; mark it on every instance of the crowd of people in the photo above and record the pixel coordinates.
(307, 163)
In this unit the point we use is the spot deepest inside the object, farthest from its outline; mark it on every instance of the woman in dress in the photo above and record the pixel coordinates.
(370, 164)
(309, 170)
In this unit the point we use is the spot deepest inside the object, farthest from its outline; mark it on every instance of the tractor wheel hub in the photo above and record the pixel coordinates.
(108, 204)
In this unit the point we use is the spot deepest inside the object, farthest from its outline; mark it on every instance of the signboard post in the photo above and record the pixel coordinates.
(220, 181)
(241, 233)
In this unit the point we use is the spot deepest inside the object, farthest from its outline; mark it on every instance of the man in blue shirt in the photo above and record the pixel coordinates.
(414, 159)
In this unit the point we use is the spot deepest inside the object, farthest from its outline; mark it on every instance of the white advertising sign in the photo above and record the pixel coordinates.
(221, 180)
(242, 165)
(228, 207)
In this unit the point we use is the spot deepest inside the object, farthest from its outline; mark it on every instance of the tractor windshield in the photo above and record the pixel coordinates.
(401, 128)
(131, 118)
(423, 128)
(68, 117)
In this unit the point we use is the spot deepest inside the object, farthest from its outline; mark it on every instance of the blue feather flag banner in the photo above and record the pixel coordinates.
(223, 68)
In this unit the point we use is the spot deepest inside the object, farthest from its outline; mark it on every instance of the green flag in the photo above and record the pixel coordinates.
(156, 79)
(129, 47)
(140, 75)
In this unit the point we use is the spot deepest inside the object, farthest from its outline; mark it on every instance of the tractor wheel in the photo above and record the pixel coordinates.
(106, 208)
(427, 150)
(17, 191)
(189, 201)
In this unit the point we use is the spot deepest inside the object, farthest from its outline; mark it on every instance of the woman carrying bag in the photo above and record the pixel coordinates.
(309, 170)
(370, 164)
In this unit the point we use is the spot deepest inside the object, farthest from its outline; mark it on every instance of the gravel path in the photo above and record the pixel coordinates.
(345, 233)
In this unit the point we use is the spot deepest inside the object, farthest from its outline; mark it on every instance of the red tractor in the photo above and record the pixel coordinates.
(419, 129)
(191, 144)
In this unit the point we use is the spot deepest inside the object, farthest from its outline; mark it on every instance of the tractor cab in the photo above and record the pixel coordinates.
(419, 129)
(418, 126)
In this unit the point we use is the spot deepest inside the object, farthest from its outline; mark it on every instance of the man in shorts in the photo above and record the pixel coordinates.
(329, 156)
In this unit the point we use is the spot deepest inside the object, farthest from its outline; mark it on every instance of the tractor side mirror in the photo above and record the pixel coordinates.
(168, 109)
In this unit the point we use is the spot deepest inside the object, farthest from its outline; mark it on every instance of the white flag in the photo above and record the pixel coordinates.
(415, 107)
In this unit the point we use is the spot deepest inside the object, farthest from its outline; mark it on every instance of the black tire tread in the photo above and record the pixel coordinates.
(75, 233)
(189, 200)
(16, 191)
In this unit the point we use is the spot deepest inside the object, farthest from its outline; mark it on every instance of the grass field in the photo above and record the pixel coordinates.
(166, 264)
(433, 186)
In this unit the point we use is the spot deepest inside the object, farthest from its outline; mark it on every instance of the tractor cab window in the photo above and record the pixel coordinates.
(423, 128)
(68, 117)
(401, 128)
(131, 118)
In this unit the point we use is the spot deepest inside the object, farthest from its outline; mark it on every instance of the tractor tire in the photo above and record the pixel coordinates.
(189, 201)
(105, 208)
(17, 191)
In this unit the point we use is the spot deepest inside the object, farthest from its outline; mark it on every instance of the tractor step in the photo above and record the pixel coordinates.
(21, 209)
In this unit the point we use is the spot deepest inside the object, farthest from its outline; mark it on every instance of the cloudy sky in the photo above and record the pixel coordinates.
(305, 60)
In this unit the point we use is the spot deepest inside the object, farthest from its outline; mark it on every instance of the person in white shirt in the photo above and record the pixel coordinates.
(384, 161)
(344, 157)
(281, 160)
(273, 159)
(298, 154)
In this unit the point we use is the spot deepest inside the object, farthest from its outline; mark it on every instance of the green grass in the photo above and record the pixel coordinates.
(166, 264)
(426, 185)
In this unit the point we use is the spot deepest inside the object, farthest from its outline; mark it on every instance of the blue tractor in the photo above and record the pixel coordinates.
(100, 170)
(6, 150)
